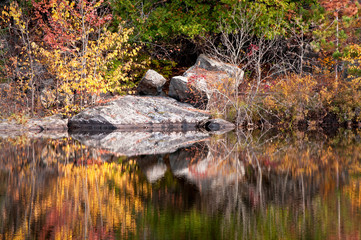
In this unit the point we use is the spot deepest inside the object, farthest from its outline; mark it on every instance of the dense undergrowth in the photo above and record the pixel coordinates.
(301, 58)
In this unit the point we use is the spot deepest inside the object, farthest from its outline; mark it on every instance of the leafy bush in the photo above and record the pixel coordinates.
(293, 98)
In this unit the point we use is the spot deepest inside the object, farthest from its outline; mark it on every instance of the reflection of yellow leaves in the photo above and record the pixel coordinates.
(353, 191)
(75, 193)
(91, 197)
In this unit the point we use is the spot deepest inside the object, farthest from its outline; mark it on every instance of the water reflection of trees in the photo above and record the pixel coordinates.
(75, 203)
(251, 185)
(61, 189)
(283, 180)
(284, 168)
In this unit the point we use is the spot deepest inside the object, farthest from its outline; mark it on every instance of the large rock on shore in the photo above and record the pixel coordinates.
(151, 84)
(199, 82)
(138, 113)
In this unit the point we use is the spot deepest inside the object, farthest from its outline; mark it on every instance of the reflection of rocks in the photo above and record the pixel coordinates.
(35, 134)
(209, 175)
(156, 172)
(141, 143)
(49, 134)
(167, 190)
(205, 167)
(153, 166)
(200, 171)
(183, 158)
(217, 126)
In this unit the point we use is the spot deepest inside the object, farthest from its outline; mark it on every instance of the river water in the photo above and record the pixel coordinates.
(252, 185)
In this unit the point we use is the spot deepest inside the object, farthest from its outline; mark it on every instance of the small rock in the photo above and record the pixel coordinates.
(217, 125)
(151, 84)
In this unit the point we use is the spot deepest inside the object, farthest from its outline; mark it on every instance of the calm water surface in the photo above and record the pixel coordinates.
(259, 185)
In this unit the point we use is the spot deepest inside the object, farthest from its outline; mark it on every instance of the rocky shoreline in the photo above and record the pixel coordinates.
(180, 109)
(128, 113)
(150, 110)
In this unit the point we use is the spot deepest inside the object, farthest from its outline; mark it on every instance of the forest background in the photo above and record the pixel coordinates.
(301, 58)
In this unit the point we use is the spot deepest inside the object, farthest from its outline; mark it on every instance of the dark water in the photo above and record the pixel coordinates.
(259, 185)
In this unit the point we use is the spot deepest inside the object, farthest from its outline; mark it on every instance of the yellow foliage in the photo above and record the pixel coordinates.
(352, 59)
(95, 61)
(293, 96)
(94, 71)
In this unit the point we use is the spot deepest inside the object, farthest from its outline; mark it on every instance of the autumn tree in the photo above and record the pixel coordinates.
(250, 39)
(340, 14)
(71, 40)
(24, 64)
(85, 58)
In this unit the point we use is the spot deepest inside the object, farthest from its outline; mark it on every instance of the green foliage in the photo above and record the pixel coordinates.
(338, 22)
(336, 54)
(163, 67)
(165, 20)
(155, 20)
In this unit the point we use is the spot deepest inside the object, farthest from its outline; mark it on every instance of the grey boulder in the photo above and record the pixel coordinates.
(195, 94)
(209, 64)
(140, 112)
(52, 123)
(151, 84)
(199, 82)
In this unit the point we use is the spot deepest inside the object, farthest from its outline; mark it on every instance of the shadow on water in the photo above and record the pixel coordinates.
(252, 185)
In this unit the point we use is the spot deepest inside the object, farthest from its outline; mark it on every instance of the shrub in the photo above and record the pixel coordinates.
(293, 98)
